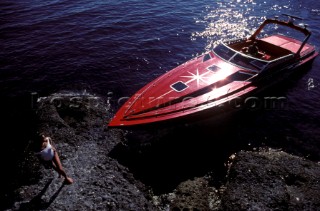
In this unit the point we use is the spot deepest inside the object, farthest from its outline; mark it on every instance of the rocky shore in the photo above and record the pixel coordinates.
(264, 179)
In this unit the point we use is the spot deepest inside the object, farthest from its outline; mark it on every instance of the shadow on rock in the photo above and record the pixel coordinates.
(162, 158)
(37, 203)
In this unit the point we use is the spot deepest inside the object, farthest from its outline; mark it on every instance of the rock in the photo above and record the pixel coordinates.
(259, 180)
(271, 180)
(77, 125)
(195, 194)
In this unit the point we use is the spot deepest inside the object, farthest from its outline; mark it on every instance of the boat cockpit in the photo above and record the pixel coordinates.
(233, 53)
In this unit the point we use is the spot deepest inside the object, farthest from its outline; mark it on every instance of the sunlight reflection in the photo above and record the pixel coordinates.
(228, 20)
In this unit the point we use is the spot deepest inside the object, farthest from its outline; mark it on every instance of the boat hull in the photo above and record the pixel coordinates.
(250, 97)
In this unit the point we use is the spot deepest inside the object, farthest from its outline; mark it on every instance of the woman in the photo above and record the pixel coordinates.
(50, 155)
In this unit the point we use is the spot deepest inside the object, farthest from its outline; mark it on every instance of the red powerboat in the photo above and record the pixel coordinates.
(232, 71)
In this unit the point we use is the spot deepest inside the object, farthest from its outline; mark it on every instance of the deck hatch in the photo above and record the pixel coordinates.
(179, 86)
(214, 68)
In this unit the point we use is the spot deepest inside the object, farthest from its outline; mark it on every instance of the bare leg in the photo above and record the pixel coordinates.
(58, 167)
(55, 168)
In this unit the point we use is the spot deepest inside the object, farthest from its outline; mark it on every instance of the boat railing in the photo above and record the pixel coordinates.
(252, 77)
(290, 23)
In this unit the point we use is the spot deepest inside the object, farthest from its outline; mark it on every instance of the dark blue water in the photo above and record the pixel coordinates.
(118, 46)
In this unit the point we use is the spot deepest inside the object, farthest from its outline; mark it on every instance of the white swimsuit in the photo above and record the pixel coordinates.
(47, 153)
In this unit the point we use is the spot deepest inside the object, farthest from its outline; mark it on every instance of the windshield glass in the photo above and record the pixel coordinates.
(223, 52)
(247, 62)
(239, 59)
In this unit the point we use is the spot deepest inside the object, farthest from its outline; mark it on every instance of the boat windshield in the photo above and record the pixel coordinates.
(239, 59)
(223, 52)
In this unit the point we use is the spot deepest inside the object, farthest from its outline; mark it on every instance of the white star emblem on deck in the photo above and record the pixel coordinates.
(197, 76)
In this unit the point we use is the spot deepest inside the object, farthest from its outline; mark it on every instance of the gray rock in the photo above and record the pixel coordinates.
(77, 126)
(271, 180)
(195, 194)
(259, 180)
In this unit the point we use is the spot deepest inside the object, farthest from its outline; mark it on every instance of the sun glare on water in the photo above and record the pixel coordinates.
(227, 20)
